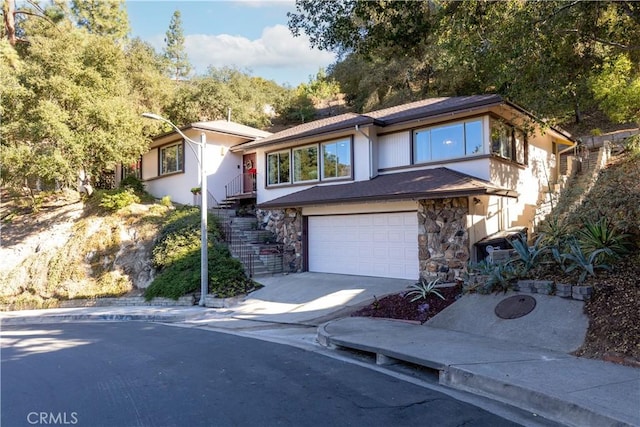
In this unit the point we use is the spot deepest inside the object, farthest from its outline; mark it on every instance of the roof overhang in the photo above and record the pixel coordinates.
(427, 184)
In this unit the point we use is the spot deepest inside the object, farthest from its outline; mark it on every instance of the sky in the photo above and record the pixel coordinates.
(251, 35)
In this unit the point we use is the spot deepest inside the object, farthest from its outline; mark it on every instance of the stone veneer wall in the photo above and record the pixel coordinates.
(286, 224)
(443, 238)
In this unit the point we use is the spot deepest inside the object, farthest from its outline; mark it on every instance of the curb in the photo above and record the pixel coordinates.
(34, 320)
(547, 405)
(550, 406)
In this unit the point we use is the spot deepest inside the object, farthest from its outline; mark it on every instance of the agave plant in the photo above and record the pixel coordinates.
(424, 288)
(579, 260)
(527, 255)
(602, 235)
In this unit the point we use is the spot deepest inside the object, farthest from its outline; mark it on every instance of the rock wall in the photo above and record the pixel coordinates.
(286, 224)
(443, 238)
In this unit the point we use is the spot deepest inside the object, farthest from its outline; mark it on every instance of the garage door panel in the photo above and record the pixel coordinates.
(383, 245)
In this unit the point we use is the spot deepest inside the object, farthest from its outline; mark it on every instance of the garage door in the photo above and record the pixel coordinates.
(382, 245)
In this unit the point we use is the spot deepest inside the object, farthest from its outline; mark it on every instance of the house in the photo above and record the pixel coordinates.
(401, 192)
(170, 167)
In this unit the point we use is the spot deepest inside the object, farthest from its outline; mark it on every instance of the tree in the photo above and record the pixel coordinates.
(224, 91)
(67, 107)
(541, 54)
(107, 18)
(174, 52)
(617, 87)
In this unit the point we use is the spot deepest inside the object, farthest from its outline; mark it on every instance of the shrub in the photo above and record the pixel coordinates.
(133, 183)
(177, 256)
(114, 200)
(166, 201)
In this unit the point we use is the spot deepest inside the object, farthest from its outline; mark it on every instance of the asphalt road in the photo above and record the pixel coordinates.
(142, 374)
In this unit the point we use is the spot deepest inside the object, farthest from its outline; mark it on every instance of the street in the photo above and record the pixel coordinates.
(145, 374)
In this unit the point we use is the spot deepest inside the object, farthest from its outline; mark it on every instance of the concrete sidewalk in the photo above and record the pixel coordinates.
(573, 391)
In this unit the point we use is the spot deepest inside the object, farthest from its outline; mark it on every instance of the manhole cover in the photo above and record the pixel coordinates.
(515, 306)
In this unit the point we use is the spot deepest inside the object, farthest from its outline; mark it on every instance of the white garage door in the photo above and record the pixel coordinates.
(382, 245)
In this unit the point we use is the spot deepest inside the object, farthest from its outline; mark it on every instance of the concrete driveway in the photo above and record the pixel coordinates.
(313, 298)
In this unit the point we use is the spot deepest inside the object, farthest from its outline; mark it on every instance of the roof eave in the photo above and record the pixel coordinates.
(405, 196)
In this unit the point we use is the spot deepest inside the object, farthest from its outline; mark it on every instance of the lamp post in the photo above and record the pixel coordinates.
(204, 262)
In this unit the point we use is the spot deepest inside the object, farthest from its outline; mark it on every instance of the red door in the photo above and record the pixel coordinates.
(249, 173)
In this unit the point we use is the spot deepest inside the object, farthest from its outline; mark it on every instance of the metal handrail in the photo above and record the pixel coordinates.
(236, 186)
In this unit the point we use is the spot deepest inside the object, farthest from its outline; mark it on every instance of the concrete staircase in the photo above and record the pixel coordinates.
(256, 249)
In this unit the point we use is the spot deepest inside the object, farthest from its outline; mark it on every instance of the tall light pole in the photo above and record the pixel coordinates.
(204, 261)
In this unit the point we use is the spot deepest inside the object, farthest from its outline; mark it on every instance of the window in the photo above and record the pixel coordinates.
(508, 142)
(305, 163)
(278, 168)
(325, 161)
(448, 141)
(134, 169)
(336, 159)
(171, 159)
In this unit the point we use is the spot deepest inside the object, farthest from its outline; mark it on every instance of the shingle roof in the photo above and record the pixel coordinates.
(401, 113)
(330, 124)
(433, 107)
(231, 128)
(421, 184)
(424, 108)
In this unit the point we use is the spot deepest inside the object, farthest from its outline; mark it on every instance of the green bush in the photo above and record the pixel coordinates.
(134, 183)
(166, 201)
(178, 279)
(114, 200)
(177, 257)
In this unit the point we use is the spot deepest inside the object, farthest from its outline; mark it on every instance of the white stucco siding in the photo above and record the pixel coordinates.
(177, 186)
(150, 164)
(221, 167)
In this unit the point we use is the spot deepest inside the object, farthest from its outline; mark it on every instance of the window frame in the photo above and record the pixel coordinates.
(180, 158)
(319, 159)
(464, 143)
(268, 163)
(349, 141)
(515, 155)
(295, 165)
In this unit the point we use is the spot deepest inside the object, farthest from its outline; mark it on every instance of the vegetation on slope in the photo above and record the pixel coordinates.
(108, 245)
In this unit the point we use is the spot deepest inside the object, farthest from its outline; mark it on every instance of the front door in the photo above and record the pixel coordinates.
(249, 173)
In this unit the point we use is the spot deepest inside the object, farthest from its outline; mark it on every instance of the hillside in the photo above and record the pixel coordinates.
(69, 249)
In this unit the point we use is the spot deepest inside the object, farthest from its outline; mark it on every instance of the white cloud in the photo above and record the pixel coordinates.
(276, 48)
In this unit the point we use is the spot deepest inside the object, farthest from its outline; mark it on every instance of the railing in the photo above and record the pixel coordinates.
(269, 258)
(239, 184)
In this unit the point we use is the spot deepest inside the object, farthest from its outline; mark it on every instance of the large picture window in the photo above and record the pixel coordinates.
(508, 142)
(171, 159)
(324, 161)
(336, 159)
(448, 142)
(305, 163)
(278, 168)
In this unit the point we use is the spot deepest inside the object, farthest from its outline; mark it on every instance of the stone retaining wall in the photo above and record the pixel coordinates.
(443, 238)
(184, 301)
(286, 224)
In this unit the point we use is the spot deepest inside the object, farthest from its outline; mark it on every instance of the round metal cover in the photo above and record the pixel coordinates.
(515, 306)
